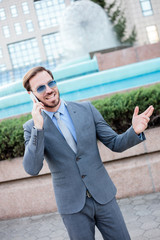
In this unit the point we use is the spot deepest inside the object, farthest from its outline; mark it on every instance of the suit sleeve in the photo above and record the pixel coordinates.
(34, 149)
(115, 142)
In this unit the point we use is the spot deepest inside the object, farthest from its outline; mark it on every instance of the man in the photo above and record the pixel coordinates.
(84, 192)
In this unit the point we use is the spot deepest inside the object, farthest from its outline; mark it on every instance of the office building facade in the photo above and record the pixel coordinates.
(29, 31)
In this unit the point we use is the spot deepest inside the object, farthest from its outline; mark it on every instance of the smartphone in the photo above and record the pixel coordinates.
(33, 97)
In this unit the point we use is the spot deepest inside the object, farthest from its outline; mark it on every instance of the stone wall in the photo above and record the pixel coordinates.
(107, 60)
(134, 172)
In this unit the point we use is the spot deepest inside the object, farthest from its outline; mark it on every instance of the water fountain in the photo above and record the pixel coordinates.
(86, 28)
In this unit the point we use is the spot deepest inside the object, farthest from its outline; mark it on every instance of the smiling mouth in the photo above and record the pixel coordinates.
(50, 96)
(52, 100)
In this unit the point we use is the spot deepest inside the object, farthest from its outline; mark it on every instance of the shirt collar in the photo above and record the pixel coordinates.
(61, 109)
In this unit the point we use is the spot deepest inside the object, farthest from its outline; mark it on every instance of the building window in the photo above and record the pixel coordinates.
(53, 47)
(2, 67)
(2, 14)
(6, 31)
(49, 12)
(24, 53)
(25, 8)
(152, 34)
(18, 29)
(14, 11)
(146, 7)
(29, 26)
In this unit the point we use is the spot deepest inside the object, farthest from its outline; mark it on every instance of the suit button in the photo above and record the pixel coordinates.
(83, 176)
(78, 158)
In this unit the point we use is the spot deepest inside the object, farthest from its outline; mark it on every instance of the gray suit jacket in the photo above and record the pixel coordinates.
(73, 173)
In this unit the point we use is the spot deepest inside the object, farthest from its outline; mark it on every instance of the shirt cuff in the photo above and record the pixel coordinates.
(38, 129)
(141, 136)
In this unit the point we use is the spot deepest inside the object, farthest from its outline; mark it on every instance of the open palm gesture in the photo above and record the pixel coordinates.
(140, 122)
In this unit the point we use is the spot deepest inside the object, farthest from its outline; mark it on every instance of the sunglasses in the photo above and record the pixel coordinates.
(42, 88)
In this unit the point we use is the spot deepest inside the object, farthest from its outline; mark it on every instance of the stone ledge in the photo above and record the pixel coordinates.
(150, 145)
(113, 59)
(13, 169)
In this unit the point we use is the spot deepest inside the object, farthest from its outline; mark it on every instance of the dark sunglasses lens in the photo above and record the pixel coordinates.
(52, 84)
(41, 89)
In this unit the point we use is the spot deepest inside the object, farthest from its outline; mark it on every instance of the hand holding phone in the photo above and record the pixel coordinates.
(36, 111)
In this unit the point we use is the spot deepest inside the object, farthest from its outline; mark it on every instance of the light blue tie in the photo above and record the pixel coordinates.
(66, 133)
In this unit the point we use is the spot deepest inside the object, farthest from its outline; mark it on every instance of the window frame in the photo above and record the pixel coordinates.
(13, 10)
(150, 33)
(147, 12)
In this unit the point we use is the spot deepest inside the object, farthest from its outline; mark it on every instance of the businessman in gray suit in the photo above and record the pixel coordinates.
(84, 192)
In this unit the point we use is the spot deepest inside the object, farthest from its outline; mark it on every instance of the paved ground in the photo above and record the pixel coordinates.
(142, 215)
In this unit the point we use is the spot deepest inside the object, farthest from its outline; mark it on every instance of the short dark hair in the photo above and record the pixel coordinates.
(31, 73)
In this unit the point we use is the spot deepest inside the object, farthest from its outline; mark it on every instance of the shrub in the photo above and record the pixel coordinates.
(118, 109)
(11, 137)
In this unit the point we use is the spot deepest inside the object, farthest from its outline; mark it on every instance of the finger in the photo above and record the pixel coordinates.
(145, 124)
(149, 110)
(136, 111)
(38, 107)
(146, 118)
(39, 104)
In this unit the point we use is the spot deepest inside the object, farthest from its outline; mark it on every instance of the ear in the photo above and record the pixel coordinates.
(29, 92)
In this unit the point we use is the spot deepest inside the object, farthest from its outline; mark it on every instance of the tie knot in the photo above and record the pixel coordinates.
(57, 115)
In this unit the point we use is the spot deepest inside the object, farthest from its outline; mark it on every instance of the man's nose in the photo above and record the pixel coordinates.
(48, 89)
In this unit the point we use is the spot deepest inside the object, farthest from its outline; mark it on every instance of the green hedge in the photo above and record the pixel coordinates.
(117, 110)
(11, 137)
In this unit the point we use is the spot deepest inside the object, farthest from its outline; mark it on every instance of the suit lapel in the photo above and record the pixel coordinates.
(50, 127)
